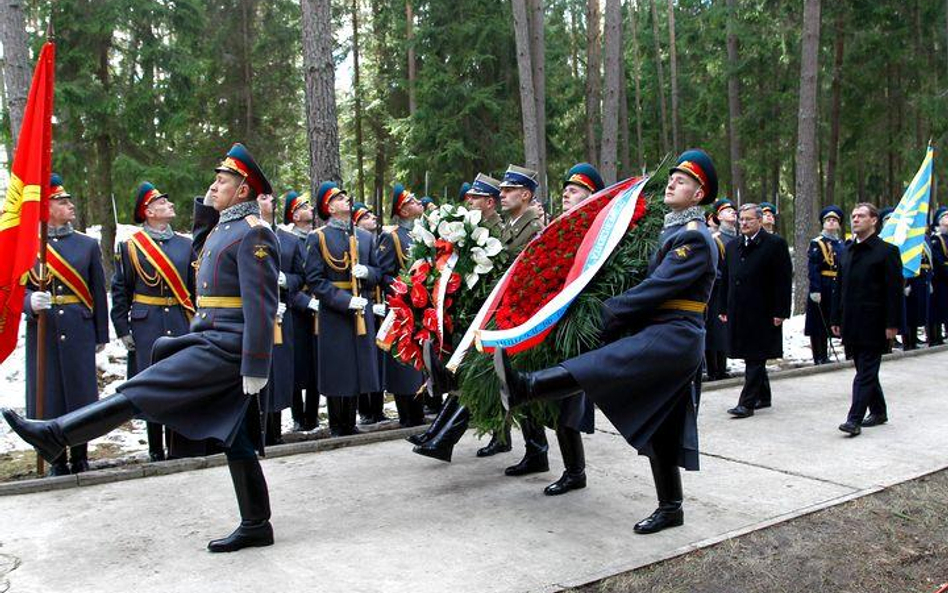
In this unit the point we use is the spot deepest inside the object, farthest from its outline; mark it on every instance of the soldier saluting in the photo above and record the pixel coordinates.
(199, 382)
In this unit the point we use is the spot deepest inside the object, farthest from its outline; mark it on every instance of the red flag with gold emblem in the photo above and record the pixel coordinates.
(26, 203)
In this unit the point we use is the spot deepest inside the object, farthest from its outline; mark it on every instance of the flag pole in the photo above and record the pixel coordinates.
(40, 392)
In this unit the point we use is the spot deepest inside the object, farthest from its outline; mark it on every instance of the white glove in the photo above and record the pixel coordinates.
(360, 271)
(253, 385)
(908, 290)
(357, 303)
(99, 348)
(281, 309)
(313, 305)
(281, 280)
(129, 343)
(379, 309)
(41, 301)
(816, 297)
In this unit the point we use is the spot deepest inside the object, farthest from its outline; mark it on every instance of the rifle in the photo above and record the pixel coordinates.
(353, 262)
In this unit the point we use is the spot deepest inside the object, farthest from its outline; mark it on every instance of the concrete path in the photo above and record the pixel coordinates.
(377, 518)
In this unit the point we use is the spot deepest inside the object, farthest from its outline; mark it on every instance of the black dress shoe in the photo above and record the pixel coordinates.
(759, 405)
(874, 420)
(249, 534)
(741, 412)
(156, 456)
(58, 469)
(566, 483)
(851, 427)
(77, 467)
(665, 516)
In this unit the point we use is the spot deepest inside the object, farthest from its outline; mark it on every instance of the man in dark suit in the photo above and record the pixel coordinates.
(867, 312)
(756, 285)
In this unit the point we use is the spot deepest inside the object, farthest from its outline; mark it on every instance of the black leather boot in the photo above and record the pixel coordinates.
(58, 466)
(411, 410)
(517, 388)
(447, 411)
(667, 478)
(535, 458)
(79, 459)
(574, 458)
(499, 443)
(442, 380)
(441, 446)
(253, 500)
(51, 437)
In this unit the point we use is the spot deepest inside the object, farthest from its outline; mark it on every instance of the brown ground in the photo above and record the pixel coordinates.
(894, 541)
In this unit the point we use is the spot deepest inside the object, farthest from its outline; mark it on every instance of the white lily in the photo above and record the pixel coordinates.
(484, 264)
(480, 234)
(452, 232)
(420, 233)
(493, 246)
(433, 219)
(473, 217)
(471, 279)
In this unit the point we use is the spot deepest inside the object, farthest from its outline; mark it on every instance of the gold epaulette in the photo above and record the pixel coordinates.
(253, 220)
(692, 226)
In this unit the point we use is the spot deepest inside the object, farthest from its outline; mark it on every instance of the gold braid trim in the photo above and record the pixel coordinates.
(828, 254)
(338, 264)
(150, 281)
(402, 258)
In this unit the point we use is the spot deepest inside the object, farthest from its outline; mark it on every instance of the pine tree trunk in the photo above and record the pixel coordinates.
(593, 80)
(734, 103)
(528, 104)
(673, 62)
(321, 126)
(412, 75)
(610, 103)
(246, 25)
(16, 61)
(637, 75)
(833, 148)
(625, 158)
(538, 68)
(379, 132)
(661, 78)
(100, 198)
(806, 160)
(357, 96)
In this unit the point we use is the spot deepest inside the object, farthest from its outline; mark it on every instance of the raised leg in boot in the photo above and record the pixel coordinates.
(447, 411)
(441, 446)
(574, 458)
(518, 388)
(667, 478)
(441, 379)
(535, 458)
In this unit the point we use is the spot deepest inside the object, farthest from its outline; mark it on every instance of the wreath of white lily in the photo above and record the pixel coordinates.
(462, 228)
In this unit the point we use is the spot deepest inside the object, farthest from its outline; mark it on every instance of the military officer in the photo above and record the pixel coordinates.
(298, 213)
(77, 328)
(152, 296)
(917, 300)
(199, 382)
(346, 348)
(484, 195)
(644, 376)
(372, 405)
(770, 217)
(401, 380)
(278, 394)
(823, 267)
(938, 313)
(724, 216)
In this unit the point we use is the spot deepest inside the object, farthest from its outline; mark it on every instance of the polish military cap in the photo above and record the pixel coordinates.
(147, 193)
(769, 207)
(834, 211)
(698, 165)
(520, 177)
(240, 162)
(400, 196)
(885, 213)
(291, 202)
(326, 191)
(56, 189)
(484, 186)
(358, 211)
(585, 176)
(465, 187)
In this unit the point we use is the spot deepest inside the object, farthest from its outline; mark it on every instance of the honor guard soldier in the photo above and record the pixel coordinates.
(77, 327)
(341, 266)
(298, 213)
(199, 383)
(938, 313)
(724, 216)
(401, 380)
(521, 225)
(770, 215)
(372, 405)
(152, 296)
(918, 291)
(449, 426)
(278, 394)
(823, 268)
(644, 376)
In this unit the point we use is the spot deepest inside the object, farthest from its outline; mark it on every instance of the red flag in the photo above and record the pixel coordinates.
(27, 199)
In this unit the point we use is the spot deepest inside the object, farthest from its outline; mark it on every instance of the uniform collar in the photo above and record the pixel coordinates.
(826, 235)
(684, 216)
(337, 223)
(406, 223)
(157, 235)
(240, 211)
(61, 231)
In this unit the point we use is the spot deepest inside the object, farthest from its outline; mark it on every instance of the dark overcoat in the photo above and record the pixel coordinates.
(72, 331)
(279, 391)
(822, 259)
(348, 363)
(644, 382)
(868, 296)
(757, 282)
(716, 339)
(939, 301)
(919, 297)
(144, 321)
(194, 384)
(394, 248)
(305, 362)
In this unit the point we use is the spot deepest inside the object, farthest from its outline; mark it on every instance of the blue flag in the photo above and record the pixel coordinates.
(906, 227)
